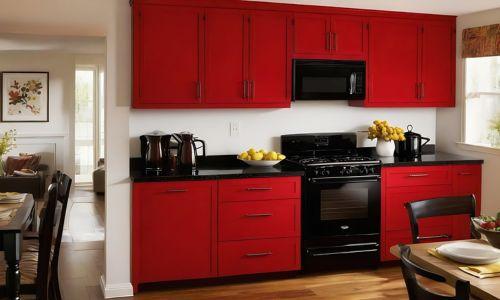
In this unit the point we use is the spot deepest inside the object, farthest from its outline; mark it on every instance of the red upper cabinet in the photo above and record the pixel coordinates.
(270, 61)
(338, 36)
(312, 34)
(393, 68)
(349, 36)
(437, 87)
(166, 39)
(226, 56)
(411, 63)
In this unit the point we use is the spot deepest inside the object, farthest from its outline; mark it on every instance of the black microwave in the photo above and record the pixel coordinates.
(328, 80)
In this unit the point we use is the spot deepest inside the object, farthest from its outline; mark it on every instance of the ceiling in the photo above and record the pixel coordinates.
(442, 7)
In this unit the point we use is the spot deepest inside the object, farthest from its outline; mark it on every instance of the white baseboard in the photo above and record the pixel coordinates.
(116, 290)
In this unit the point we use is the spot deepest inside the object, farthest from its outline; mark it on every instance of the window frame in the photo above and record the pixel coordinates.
(463, 144)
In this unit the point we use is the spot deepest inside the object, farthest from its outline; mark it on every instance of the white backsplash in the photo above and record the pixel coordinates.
(261, 128)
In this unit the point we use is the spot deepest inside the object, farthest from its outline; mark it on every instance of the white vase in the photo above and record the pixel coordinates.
(385, 148)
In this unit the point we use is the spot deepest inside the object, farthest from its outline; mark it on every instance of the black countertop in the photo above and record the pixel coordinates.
(216, 167)
(228, 167)
(438, 158)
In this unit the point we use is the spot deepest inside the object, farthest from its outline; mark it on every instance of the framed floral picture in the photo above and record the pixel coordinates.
(25, 96)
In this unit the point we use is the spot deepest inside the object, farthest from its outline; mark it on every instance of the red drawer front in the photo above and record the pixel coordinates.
(259, 219)
(259, 189)
(177, 190)
(415, 176)
(396, 215)
(259, 256)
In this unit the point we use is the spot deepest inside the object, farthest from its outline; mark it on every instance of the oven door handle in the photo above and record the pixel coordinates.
(345, 179)
(344, 252)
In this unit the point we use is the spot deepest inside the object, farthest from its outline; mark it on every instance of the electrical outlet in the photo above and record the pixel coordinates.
(234, 129)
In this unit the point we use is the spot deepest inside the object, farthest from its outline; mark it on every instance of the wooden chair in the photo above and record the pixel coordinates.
(418, 292)
(63, 182)
(440, 207)
(35, 267)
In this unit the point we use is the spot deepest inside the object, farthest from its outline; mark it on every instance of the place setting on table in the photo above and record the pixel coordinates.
(9, 203)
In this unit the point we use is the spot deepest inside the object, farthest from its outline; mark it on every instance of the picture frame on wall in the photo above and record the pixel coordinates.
(25, 96)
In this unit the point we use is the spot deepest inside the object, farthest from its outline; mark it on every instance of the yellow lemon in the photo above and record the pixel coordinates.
(251, 151)
(257, 156)
(243, 155)
(274, 155)
(281, 157)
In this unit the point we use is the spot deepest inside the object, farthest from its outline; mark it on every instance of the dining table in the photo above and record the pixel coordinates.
(11, 237)
(485, 288)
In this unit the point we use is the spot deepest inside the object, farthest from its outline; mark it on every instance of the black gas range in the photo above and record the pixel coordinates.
(341, 200)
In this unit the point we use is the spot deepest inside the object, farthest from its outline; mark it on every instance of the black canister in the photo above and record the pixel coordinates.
(411, 147)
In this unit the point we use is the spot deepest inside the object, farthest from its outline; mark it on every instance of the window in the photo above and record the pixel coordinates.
(89, 121)
(482, 101)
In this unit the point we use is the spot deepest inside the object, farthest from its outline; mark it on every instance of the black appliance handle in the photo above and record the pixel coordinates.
(344, 252)
(426, 141)
(346, 179)
(203, 146)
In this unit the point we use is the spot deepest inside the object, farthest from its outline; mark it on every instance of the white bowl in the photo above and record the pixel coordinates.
(470, 253)
(261, 163)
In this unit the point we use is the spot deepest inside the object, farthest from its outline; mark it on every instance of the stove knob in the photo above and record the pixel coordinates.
(371, 170)
(325, 172)
(316, 173)
(346, 171)
(364, 171)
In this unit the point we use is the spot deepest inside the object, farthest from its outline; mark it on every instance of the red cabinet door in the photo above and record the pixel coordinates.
(393, 68)
(349, 36)
(226, 56)
(168, 46)
(312, 34)
(466, 181)
(438, 63)
(270, 67)
(174, 231)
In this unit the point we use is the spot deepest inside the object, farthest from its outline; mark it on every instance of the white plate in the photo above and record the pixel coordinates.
(470, 253)
(261, 163)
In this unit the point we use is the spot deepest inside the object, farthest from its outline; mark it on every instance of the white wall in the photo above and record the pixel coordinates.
(61, 68)
(449, 121)
(261, 128)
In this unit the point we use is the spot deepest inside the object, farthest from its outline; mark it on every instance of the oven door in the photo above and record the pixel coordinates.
(328, 80)
(349, 206)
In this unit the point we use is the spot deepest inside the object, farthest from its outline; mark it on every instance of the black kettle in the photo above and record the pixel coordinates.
(411, 147)
(155, 152)
(188, 151)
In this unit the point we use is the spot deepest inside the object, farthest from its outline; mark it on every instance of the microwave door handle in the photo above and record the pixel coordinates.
(353, 83)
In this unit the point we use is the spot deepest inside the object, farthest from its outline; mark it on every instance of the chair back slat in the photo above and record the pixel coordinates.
(446, 206)
(45, 243)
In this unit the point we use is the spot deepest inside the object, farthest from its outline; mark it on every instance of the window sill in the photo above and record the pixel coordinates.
(478, 148)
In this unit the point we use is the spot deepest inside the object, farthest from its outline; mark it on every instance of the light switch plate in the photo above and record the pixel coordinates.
(234, 129)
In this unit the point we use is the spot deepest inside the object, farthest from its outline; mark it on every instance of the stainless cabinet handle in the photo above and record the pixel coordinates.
(419, 175)
(258, 215)
(251, 189)
(177, 191)
(245, 89)
(464, 174)
(328, 41)
(441, 236)
(258, 254)
(198, 90)
(334, 40)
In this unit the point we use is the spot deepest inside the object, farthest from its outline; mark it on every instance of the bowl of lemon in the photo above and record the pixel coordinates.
(261, 158)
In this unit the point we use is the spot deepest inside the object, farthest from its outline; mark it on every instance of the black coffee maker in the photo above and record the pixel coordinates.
(411, 147)
(155, 152)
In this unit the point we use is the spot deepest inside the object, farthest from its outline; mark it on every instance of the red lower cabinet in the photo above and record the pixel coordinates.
(406, 184)
(202, 229)
(259, 256)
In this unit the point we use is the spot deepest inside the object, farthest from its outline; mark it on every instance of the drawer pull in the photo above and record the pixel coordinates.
(177, 191)
(464, 174)
(258, 254)
(418, 175)
(441, 236)
(252, 189)
(258, 215)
